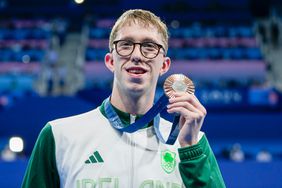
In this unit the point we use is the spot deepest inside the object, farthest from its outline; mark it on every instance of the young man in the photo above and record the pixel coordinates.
(87, 151)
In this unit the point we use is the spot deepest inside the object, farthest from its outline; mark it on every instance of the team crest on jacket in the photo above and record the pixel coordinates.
(168, 161)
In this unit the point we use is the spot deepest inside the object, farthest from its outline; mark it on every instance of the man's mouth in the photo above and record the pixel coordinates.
(136, 70)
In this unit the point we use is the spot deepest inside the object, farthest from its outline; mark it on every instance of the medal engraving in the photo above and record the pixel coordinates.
(178, 83)
(179, 86)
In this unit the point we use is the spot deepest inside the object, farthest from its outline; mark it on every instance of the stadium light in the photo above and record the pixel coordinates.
(16, 144)
(78, 1)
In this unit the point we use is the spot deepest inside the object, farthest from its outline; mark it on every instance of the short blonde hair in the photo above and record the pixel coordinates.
(143, 16)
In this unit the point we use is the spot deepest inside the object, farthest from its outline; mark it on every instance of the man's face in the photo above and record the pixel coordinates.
(135, 73)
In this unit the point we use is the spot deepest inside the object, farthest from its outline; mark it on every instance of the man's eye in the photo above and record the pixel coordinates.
(125, 44)
(149, 45)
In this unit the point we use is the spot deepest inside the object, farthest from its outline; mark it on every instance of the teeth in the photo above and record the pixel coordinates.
(135, 71)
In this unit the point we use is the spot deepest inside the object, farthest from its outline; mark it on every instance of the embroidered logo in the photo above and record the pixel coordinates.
(94, 158)
(168, 161)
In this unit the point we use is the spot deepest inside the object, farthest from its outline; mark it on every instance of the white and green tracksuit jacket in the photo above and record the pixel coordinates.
(85, 151)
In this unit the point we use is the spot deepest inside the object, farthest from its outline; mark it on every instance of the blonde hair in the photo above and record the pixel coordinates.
(142, 16)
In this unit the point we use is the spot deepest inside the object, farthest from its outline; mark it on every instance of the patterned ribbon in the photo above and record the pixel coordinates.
(153, 113)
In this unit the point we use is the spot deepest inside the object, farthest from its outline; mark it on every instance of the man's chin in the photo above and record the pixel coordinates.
(136, 89)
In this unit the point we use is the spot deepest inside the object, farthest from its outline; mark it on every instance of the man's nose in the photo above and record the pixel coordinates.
(136, 55)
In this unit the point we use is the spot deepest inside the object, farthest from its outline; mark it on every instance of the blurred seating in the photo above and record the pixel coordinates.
(215, 42)
(23, 47)
(24, 40)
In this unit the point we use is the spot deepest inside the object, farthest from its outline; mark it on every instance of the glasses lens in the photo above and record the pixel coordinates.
(149, 49)
(124, 48)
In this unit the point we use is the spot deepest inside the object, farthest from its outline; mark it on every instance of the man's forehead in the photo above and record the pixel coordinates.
(139, 24)
(128, 30)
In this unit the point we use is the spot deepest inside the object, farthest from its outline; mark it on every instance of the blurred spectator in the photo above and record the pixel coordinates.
(7, 154)
(49, 73)
(264, 156)
(236, 153)
(59, 30)
(4, 101)
(62, 75)
(52, 57)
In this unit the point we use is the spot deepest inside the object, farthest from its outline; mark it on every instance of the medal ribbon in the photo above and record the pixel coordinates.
(153, 113)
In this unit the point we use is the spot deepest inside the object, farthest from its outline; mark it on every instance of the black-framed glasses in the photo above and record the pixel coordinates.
(149, 50)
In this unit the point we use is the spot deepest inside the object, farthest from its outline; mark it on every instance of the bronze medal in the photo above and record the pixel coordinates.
(178, 83)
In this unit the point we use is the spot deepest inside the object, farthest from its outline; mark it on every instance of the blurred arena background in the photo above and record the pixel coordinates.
(51, 66)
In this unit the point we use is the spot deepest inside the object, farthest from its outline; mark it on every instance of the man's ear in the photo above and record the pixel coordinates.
(109, 62)
(165, 66)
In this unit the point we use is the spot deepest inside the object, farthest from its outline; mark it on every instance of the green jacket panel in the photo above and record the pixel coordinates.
(198, 166)
(42, 171)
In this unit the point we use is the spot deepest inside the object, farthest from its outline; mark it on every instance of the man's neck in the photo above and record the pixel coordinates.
(132, 104)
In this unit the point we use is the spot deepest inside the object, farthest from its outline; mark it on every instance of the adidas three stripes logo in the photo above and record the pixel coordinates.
(94, 158)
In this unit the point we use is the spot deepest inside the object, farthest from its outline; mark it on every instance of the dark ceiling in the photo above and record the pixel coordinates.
(242, 10)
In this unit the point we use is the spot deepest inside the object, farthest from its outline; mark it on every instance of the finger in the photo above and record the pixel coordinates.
(186, 105)
(199, 105)
(184, 112)
(183, 96)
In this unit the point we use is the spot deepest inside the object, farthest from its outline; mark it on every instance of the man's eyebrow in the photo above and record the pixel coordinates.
(127, 38)
(149, 40)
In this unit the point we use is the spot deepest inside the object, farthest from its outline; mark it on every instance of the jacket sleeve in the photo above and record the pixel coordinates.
(198, 166)
(41, 170)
